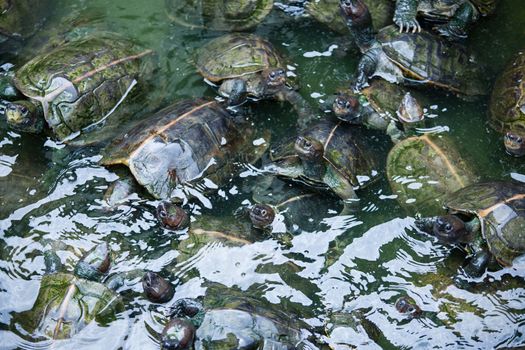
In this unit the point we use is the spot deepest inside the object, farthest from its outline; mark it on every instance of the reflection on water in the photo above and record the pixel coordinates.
(346, 273)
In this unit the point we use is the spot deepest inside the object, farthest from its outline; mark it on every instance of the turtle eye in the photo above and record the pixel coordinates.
(307, 144)
(264, 212)
(24, 110)
(272, 74)
(448, 227)
(519, 140)
(348, 105)
(281, 71)
(410, 309)
(162, 213)
(11, 107)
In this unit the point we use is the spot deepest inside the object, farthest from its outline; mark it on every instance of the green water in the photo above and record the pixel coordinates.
(358, 264)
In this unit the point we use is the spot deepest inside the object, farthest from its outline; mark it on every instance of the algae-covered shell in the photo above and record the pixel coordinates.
(225, 15)
(328, 13)
(500, 207)
(20, 19)
(81, 82)
(423, 170)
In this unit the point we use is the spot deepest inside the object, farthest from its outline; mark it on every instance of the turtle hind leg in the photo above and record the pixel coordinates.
(456, 28)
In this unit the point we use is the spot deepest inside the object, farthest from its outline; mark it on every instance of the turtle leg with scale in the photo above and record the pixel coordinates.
(405, 16)
(456, 27)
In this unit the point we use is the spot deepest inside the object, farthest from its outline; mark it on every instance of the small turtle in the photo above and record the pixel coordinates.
(183, 143)
(67, 302)
(223, 15)
(329, 155)
(507, 106)
(408, 307)
(458, 15)
(77, 85)
(423, 170)
(412, 59)
(381, 106)
(328, 13)
(246, 65)
(488, 217)
(156, 288)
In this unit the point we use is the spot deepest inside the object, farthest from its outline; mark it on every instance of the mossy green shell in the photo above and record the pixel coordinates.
(328, 13)
(19, 19)
(423, 170)
(426, 59)
(236, 55)
(500, 207)
(507, 103)
(224, 15)
(90, 301)
(81, 82)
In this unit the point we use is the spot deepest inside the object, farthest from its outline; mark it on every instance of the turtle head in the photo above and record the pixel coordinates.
(262, 215)
(275, 77)
(24, 116)
(451, 229)
(308, 149)
(172, 217)
(347, 108)
(178, 334)
(405, 306)
(95, 263)
(410, 112)
(514, 143)
(156, 288)
(355, 12)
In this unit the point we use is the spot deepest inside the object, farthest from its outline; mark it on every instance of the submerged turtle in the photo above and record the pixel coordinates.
(246, 65)
(77, 85)
(382, 106)
(458, 14)
(67, 302)
(227, 15)
(228, 321)
(183, 143)
(507, 106)
(423, 170)
(488, 217)
(328, 13)
(329, 155)
(411, 59)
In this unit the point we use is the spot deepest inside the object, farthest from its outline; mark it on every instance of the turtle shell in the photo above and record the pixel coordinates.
(345, 150)
(485, 7)
(82, 82)
(182, 143)
(328, 13)
(427, 59)
(500, 207)
(20, 19)
(423, 170)
(384, 97)
(507, 103)
(66, 304)
(235, 55)
(224, 15)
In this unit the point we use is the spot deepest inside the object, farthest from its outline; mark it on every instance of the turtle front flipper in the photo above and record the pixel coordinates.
(405, 16)
(456, 28)
(235, 90)
(365, 69)
(478, 263)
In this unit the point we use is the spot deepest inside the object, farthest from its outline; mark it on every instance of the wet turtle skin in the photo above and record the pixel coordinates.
(423, 170)
(327, 12)
(20, 19)
(182, 143)
(500, 206)
(224, 15)
(82, 82)
(507, 102)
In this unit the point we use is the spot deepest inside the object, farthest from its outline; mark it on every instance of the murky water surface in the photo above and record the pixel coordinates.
(358, 264)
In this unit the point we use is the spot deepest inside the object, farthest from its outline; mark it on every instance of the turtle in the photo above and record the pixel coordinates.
(422, 170)
(458, 15)
(221, 15)
(157, 288)
(328, 156)
(328, 13)
(381, 106)
(76, 86)
(248, 66)
(67, 302)
(487, 217)
(229, 320)
(419, 59)
(507, 106)
(183, 143)
(407, 306)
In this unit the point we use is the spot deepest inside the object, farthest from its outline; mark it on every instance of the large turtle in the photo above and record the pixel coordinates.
(328, 13)
(458, 14)
(329, 155)
(507, 106)
(67, 302)
(423, 170)
(79, 84)
(381, 106)
(183, 143)
(412, 59)
(248, 66)
(489, 217)
(226, 15)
